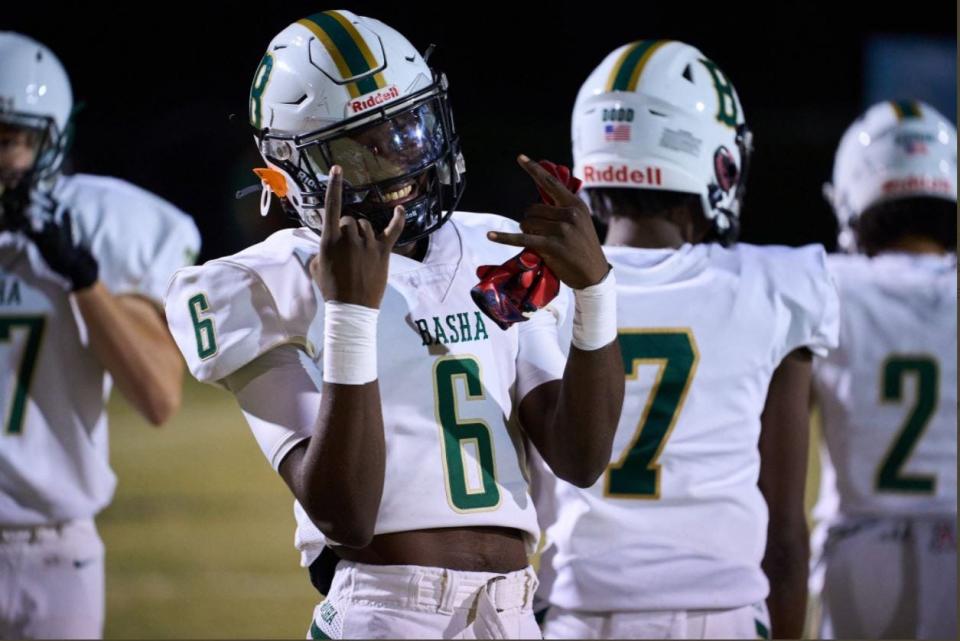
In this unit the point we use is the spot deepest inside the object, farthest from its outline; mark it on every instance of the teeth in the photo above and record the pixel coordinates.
(403, 192)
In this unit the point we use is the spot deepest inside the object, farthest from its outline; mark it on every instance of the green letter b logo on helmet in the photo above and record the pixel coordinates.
(260, 81)
(727, 101)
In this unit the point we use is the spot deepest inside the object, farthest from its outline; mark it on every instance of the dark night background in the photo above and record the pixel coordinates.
(160, 81)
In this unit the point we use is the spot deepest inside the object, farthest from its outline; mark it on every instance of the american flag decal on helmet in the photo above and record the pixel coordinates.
(616, 133)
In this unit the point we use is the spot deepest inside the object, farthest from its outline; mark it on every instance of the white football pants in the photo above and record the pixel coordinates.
(414, 602)
(749, 622)
(51, 582)
(889, 578)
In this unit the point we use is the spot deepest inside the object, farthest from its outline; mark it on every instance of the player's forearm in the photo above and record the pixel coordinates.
(784, 435)
(591, 392)
(786, 564)
(342, 470)
(573, 423)
(590, 403)
(132, 343)
(343, 467)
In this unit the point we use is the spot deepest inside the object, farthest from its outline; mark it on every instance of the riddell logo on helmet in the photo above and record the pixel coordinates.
(375, 99)
(622, 174)
(917, 183)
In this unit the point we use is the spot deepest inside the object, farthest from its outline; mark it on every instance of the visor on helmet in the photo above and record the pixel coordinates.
(405, 153)
(383, 151)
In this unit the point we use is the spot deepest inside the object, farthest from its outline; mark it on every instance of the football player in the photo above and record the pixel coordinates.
(888, 504)
(84, 261)
(696, 528)
(369, 377)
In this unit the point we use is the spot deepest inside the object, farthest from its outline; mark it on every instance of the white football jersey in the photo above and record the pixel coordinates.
(53, 390)
(888, 395)
(449, 377)
(677, 521)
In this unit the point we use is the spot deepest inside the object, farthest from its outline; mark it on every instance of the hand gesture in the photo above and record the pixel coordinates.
(562, 233)
(353, 260)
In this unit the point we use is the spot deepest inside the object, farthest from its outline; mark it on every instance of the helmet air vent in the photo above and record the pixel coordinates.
(688, 73)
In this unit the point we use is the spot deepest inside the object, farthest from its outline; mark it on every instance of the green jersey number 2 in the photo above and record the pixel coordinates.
(470, 487)
(636, 475)
(16, 406)
(890, 475)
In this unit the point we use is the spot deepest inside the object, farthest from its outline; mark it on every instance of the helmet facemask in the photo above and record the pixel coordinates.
(405, 153)
(48, 147)
(41, 135)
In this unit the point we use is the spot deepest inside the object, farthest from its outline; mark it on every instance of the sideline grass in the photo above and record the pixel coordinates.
(199, 536)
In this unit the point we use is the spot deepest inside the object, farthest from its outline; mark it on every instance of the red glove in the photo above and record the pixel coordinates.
(508, 293)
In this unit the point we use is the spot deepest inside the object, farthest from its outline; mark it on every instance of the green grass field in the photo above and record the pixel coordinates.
(200, 535)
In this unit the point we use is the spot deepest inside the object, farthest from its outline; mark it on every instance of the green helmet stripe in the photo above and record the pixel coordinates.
(906, 109)
(345, 50)
(627, 71)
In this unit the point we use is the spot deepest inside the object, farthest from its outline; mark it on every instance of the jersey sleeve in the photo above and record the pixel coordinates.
(540, 357)
(179, 248)
(222, 317)
(138, 239)
(831, 370)
(808, 295)
(279, 393)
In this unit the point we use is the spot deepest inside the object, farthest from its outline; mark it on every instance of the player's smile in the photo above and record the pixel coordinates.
(403, 193)
(399, 194)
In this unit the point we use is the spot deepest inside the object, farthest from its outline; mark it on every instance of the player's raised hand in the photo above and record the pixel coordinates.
(561, 233)
(62, 252)
(353, 260)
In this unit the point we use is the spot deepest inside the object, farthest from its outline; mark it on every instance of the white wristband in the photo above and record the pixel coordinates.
(595, 314)
(349, 343)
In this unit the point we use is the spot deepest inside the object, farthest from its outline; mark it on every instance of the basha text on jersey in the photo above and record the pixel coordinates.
(453, 328)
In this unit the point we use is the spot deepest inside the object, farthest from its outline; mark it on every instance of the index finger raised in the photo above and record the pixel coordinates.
(331, 204)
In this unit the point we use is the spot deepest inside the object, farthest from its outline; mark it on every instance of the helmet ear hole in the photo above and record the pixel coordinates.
(283, 151)
(688, 73)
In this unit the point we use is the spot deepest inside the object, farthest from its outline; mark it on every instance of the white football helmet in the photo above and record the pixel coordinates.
(35, 94)
(658, 114)
(896, 149)
(337, 88)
